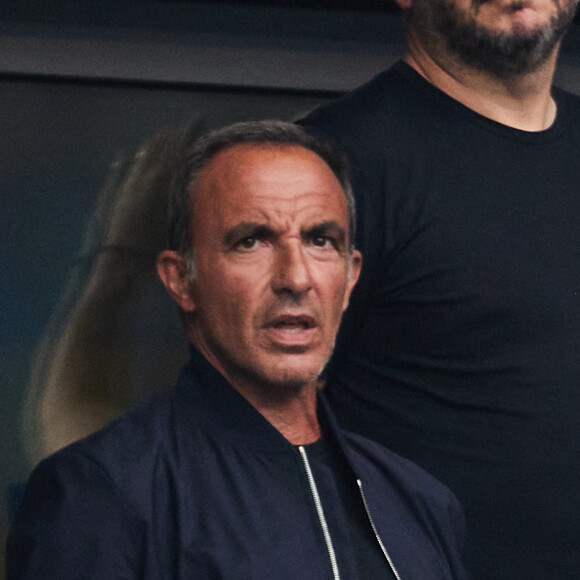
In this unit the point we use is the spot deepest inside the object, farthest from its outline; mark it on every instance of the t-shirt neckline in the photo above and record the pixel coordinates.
(433, 92)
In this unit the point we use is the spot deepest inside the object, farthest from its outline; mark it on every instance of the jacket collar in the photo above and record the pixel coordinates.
(206, 398)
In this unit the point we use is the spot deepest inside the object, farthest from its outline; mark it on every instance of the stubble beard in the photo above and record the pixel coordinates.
(502, 55)
(273, 382)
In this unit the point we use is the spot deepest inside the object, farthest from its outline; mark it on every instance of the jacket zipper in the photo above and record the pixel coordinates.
(359, 483)
(320, 512)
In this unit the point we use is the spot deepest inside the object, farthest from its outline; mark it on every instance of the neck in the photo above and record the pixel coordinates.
(291, 409)
(293, 414)
(523, 101)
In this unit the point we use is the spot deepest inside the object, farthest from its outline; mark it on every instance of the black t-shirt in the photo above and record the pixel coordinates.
(460, 346)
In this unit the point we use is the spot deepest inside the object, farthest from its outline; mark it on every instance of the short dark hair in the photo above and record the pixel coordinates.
(209, 145)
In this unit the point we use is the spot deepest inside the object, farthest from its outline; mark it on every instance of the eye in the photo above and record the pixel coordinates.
(248, 243)
(322, 242)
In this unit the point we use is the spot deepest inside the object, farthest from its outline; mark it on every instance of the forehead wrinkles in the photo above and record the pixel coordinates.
(285, 179)
(307, 205)
(282, 187)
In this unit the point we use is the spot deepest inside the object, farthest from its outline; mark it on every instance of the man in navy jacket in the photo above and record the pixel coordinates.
(240, 471)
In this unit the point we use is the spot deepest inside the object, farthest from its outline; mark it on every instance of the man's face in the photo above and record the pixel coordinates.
(501, 37)
(273, 272)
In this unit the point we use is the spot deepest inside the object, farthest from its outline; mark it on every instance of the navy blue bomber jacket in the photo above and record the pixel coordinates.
(198, 485)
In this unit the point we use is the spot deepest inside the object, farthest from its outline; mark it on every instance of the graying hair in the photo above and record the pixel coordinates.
(258, 132)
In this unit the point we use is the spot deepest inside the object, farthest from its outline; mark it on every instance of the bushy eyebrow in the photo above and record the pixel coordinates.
(246, 230)
(329, 228)
(243, 230)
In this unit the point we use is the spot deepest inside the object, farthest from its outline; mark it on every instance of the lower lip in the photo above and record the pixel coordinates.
(526, 17)
(286, 336)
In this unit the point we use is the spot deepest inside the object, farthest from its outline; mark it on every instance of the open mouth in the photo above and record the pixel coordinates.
(295, 333)
(293, 323)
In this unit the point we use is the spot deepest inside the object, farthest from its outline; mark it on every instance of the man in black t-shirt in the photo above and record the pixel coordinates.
(460, 346)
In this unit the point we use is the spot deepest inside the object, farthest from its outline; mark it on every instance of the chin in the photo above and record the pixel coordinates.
(297, 374)
(293, 379)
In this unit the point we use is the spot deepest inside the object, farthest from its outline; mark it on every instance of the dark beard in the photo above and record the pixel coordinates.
(502, 55)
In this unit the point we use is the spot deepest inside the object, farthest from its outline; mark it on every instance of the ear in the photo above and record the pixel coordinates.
(171, 269)
(353, 275)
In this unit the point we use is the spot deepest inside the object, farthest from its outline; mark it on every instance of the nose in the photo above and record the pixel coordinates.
(291, 271)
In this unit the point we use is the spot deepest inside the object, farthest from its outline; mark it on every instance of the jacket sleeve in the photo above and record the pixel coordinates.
(455, 539)
(72, 524)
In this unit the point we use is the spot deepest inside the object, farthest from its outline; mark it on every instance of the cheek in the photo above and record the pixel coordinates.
(236, 300)
(338, 299)
(226, 282)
